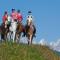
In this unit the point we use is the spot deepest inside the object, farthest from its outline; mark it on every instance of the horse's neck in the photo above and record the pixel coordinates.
(19, 27)
(30, 31)
(31, 27)
(13, 25)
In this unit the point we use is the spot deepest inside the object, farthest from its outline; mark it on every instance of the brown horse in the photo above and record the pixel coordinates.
(19, 30)
(30, 33)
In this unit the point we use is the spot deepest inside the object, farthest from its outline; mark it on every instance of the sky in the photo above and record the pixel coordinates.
(46, 16)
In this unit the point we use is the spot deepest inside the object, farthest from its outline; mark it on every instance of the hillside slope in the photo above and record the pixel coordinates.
(10, 51)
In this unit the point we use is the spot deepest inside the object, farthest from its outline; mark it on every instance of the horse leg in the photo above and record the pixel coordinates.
(2, 37)
(17, 38)
(30, 39)
(13, 36)
(5, 37)
(8, 36)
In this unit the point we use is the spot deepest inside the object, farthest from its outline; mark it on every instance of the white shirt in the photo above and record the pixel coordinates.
(9, 18)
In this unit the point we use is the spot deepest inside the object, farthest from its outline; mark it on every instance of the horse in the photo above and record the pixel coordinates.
(12, 29)
(19, 30)
(29, 32)
(3, 31)
(4, 28)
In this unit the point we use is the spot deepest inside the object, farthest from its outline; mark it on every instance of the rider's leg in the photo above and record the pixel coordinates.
(24, 31)
(34, 31)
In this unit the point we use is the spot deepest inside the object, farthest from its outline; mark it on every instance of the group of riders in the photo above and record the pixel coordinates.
(17, 17)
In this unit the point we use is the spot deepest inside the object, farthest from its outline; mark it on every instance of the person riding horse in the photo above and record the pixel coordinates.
(19, 16)
(4, 18)
(19, 19)
(29, 24)
(5, 25)
(6, 21)
(20, 26)
(14, 15)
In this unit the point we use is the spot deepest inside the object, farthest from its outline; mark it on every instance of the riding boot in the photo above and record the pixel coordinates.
(25, 32)
(34, 31)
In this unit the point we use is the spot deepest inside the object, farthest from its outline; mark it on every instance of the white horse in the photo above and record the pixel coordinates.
(12, 28)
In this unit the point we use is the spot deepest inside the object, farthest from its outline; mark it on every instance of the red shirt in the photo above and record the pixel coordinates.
(19, 17)
(14, 15)
(4, 18)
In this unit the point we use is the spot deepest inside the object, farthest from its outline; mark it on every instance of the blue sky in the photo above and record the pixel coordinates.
(46, 15)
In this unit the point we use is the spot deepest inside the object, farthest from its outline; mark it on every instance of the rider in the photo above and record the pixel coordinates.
(19, 16)
(5, 18)
(30, 22)
(29, 18)
(9, 21)
(14, 15)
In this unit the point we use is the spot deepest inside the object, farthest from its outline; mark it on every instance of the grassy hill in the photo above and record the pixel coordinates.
(13, 51)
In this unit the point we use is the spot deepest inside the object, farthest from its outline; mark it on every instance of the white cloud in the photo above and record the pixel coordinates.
(43, 42)
(55, 45)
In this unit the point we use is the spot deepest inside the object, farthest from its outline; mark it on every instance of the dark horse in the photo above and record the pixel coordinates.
(3, 32)
(19, 30)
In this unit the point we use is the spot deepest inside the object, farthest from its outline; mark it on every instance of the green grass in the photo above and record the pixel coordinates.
(13, 51)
